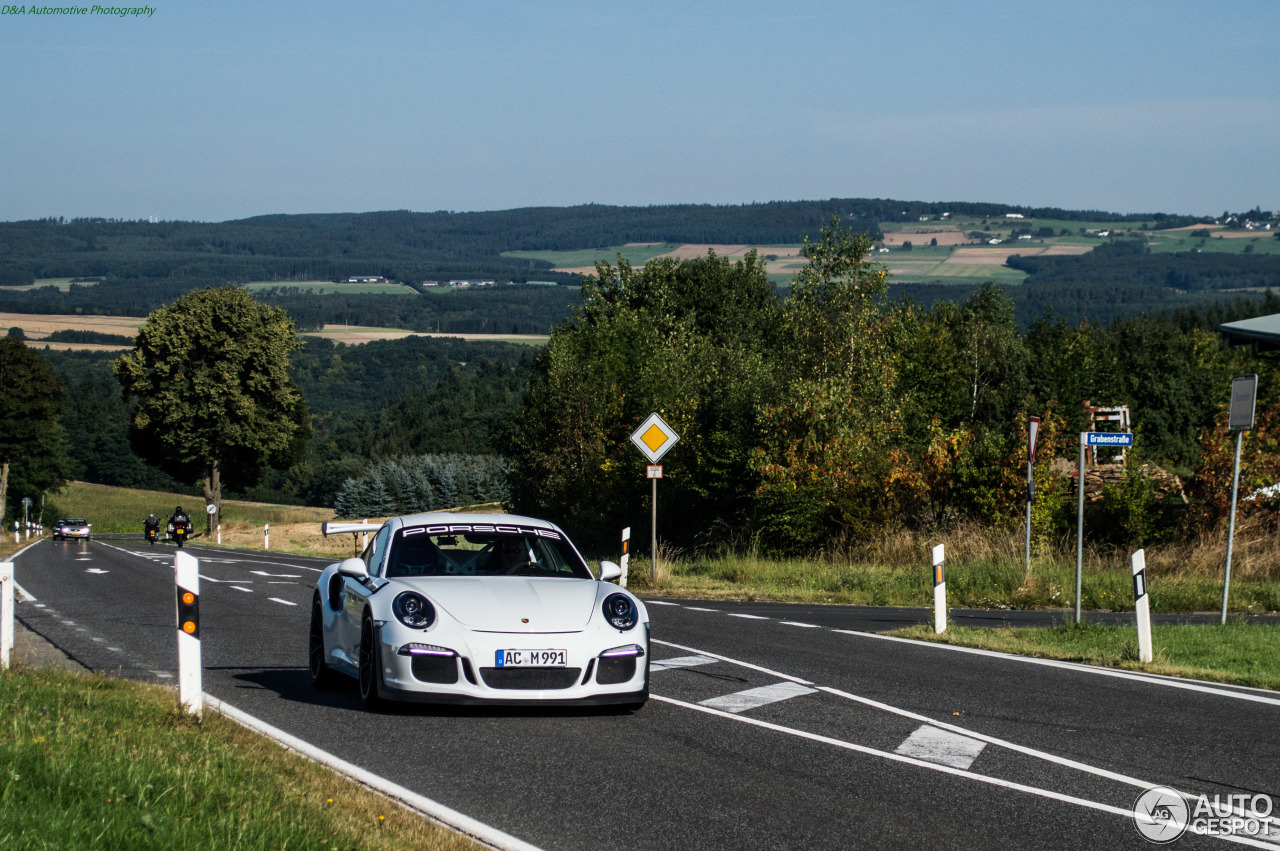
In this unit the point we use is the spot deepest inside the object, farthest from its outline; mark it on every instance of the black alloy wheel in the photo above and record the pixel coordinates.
(322, 676)
(368, 666)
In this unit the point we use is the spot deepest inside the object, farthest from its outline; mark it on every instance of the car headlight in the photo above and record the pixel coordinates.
(620, 612)
(413, 610)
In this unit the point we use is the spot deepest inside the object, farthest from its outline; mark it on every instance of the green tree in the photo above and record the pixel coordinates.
(34, 455)
(214, 396)
(824, 457)
(685, 338)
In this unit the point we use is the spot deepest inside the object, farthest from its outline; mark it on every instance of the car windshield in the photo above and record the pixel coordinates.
(483, 550)
(76, 521)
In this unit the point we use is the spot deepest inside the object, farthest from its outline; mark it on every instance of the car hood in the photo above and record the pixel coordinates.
(514, 603)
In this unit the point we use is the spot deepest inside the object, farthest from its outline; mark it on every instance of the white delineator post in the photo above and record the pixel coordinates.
(6, 612)
(186, 574)
(939, 591)
(1142, 605)
(219, 533)
(266, 536)
(626, 556)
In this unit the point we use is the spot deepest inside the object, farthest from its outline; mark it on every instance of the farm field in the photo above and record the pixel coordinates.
(583, 260)
(326, 287)
(62, 284)
(37, 326)
(357, 334)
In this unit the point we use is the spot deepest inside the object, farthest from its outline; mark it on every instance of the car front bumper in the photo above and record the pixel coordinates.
(471, 675)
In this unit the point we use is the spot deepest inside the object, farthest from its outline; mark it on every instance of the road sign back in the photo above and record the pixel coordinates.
(654, 438)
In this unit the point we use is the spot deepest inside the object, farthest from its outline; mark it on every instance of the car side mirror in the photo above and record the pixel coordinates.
(355, 568)
(609, 571)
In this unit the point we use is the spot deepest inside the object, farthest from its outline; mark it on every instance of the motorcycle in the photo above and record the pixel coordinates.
(180, 531)
(151, 535)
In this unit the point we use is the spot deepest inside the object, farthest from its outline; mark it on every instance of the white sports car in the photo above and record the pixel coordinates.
(477, 608)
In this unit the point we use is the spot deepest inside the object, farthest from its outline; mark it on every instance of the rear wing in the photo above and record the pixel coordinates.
(348, 528)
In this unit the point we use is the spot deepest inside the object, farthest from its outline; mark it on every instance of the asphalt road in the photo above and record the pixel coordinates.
(770, 726)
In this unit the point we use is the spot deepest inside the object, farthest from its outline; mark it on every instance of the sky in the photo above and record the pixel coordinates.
(215, 111)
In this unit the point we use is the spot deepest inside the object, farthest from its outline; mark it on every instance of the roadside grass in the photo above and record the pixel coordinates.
(91, 762)
(1238, 652)
(115, 510)
(986, 583)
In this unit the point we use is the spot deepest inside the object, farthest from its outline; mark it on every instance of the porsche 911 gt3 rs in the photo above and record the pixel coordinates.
(474, 608)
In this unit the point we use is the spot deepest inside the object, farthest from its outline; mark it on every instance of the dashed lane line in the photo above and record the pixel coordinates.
(246, 590)
(696, 609)
(748, 617)
(282, 602)
(798, 623)
(753, 698)
(740, 664)
(680, 662)
(941, 746)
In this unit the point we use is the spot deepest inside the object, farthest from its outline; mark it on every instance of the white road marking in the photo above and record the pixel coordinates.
(752, 698)
(749, 617)
(95, 570)
(115, 649)
(246, 590)
(1190, 685)
(659, 603)
(278, 600)
(941, 746)
(164, 675)
(282, 583)
(276, 575)
(1080, 766)
(680, 662)
(69, 623)
(99, 640)
(410, 800)
(696, 609)
(798, 623)
(39, 605)
(768, 671)
(1124, 812)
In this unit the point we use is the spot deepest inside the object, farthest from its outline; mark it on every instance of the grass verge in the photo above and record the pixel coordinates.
(985, 583)
(90, 762)
(1238, 652)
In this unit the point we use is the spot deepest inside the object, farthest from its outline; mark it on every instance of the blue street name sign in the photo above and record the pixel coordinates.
(1102, 438)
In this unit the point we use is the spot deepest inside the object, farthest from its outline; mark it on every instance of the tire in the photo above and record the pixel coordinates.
(370, 666)
(322, 676)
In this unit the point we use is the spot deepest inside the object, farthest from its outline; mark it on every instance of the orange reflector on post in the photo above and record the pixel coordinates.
(189, 627)
(188, 598)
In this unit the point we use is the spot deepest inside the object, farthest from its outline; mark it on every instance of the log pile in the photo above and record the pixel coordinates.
(1098, 476)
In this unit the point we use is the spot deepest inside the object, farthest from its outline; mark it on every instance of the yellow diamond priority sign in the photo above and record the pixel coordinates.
(654, 438)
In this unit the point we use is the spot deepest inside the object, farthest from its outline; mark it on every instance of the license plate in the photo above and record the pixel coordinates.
(531, 658)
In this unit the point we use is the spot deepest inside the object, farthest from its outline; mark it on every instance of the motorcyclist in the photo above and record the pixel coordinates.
(151, 528)
(179, 520)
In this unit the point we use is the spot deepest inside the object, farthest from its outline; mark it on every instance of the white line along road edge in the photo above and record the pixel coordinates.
(433, 810)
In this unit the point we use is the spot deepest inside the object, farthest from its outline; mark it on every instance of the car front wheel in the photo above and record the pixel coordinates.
(369, 665)
(322, 676)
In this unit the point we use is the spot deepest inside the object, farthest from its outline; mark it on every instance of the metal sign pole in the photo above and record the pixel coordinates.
(1244, 395)
(653, 537)
(1084, 437)
(1231, 526)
